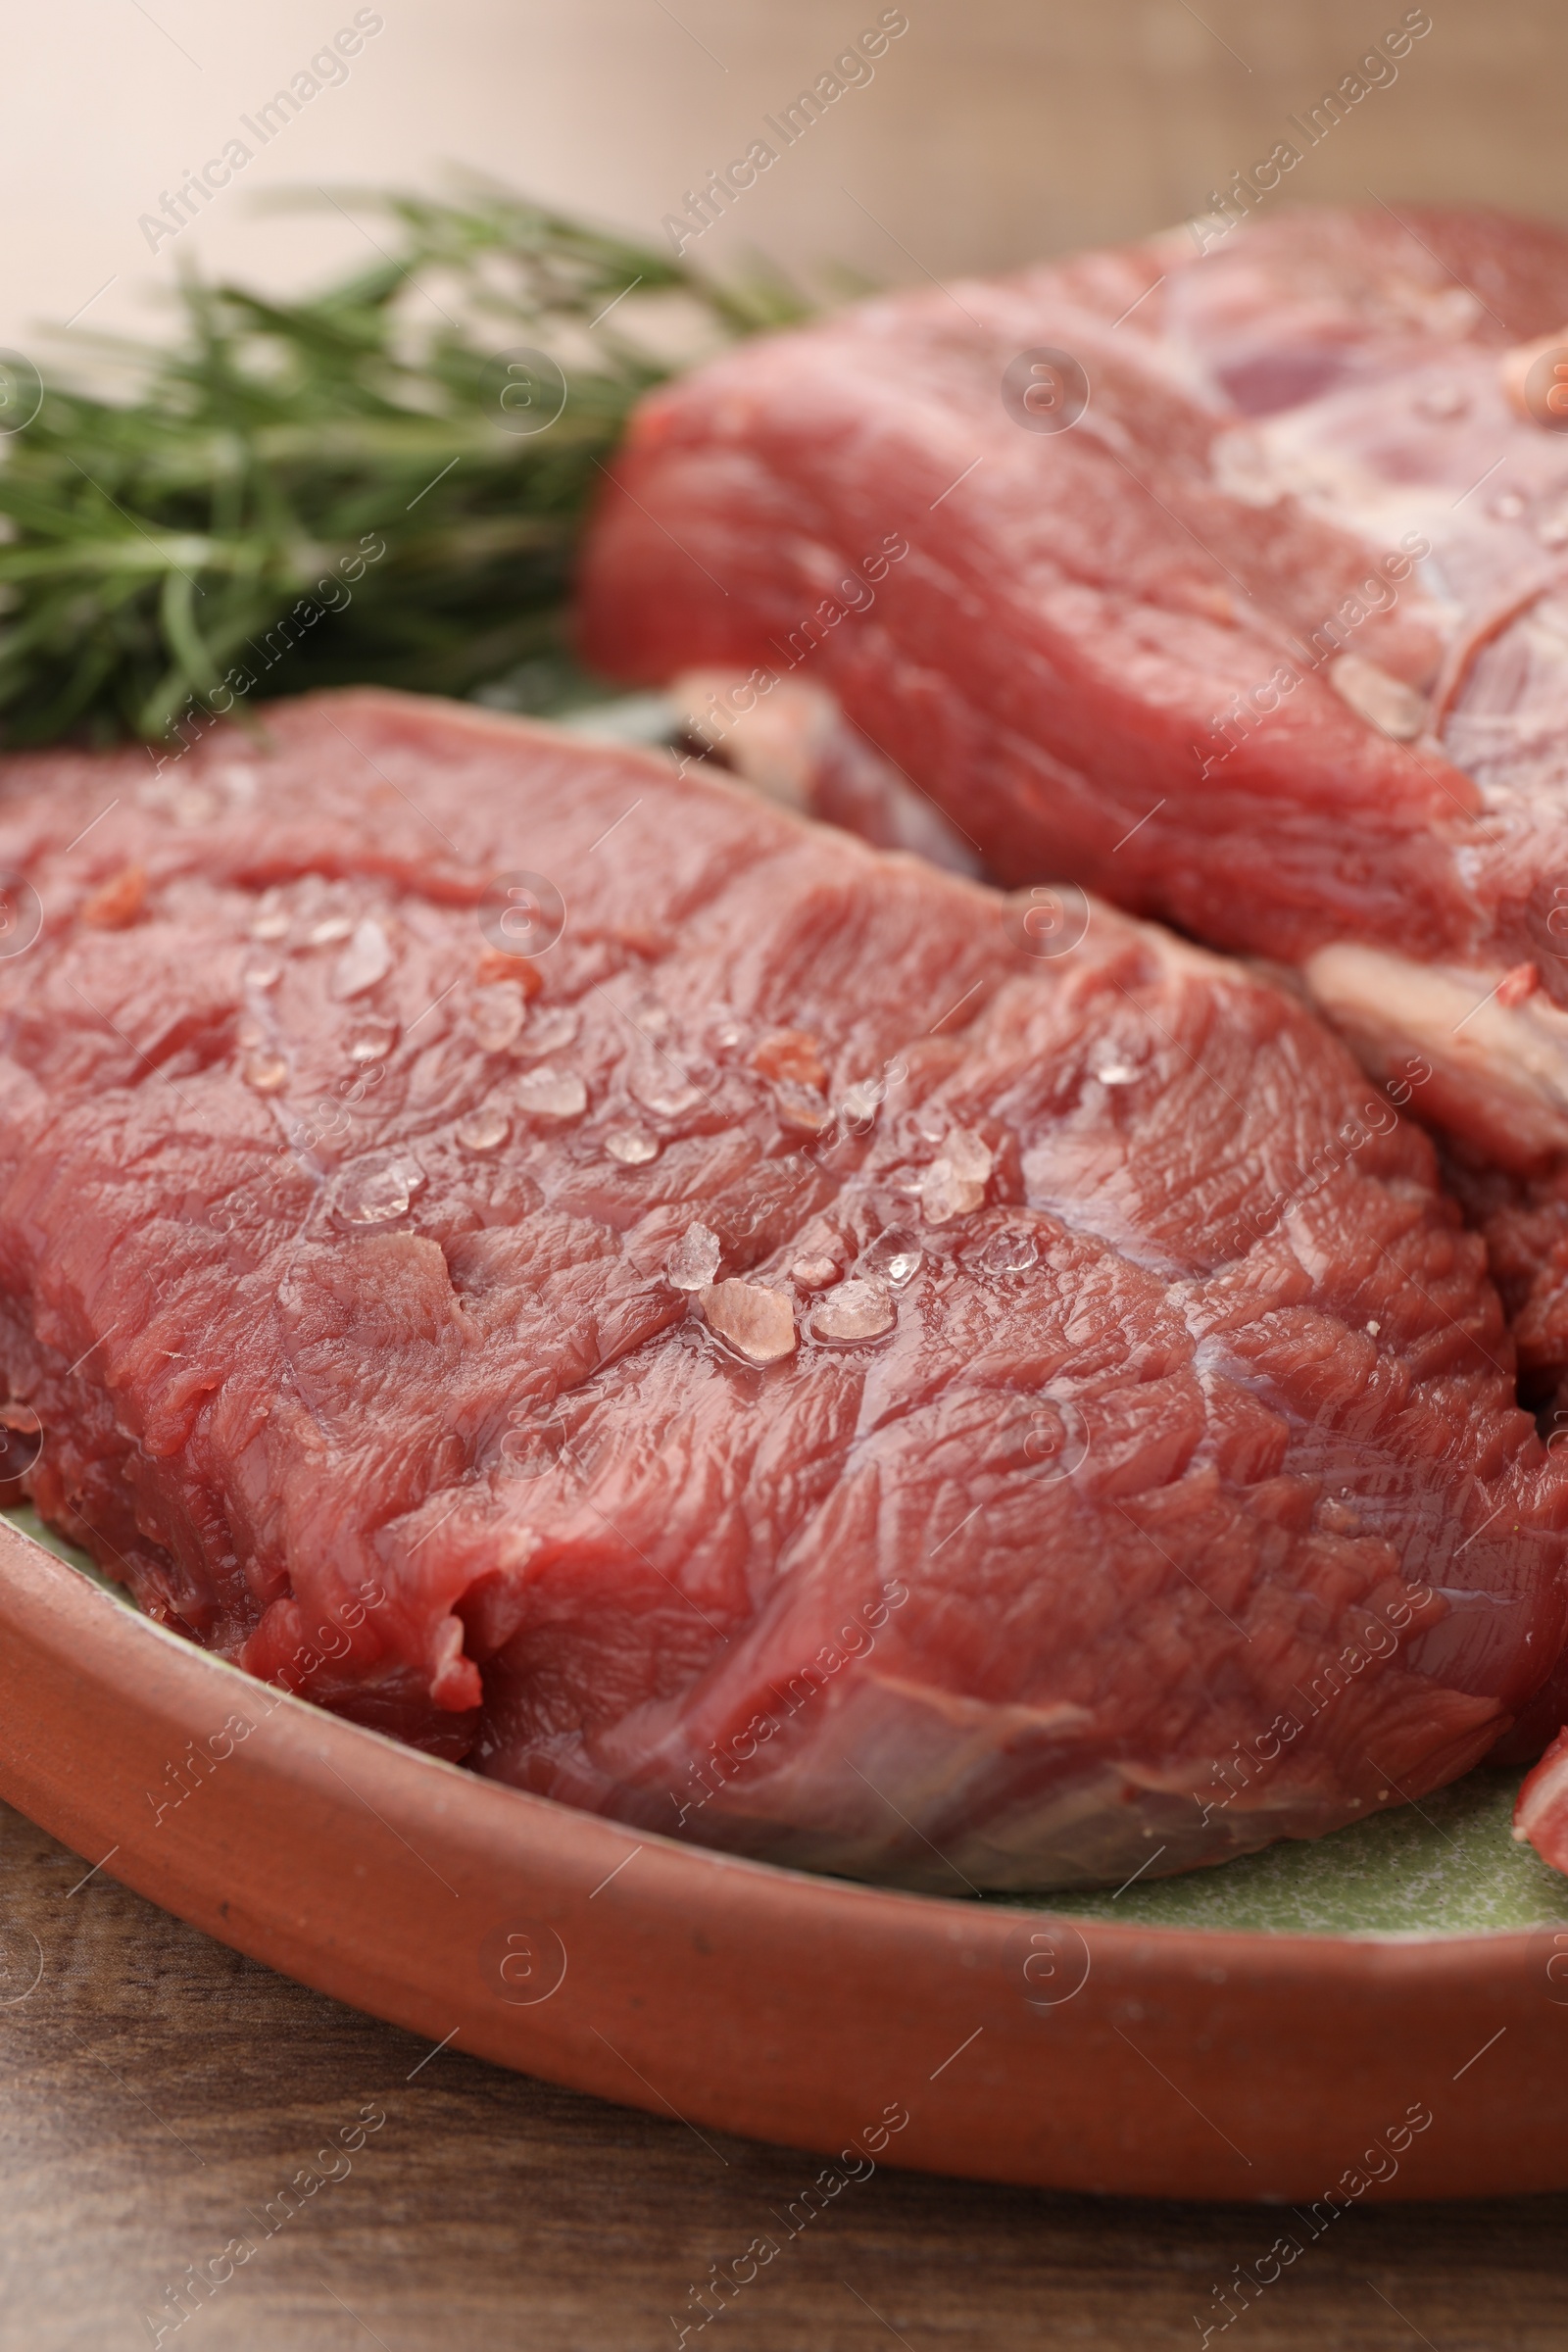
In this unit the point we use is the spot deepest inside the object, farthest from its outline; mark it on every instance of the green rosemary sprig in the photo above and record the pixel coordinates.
(154, 547)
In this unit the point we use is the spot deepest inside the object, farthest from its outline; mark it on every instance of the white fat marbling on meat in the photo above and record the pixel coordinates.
(1391, 1006)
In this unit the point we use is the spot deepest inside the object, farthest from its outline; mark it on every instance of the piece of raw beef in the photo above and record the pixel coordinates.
(1540, 1816)
(1232, 584)
(714, 1323)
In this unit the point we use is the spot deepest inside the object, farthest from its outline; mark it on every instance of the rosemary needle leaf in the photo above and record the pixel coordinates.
(310, 493)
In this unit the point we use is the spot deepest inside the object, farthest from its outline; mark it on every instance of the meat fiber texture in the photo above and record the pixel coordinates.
(785, 1362)
(1270, 640)
(1540, 1816)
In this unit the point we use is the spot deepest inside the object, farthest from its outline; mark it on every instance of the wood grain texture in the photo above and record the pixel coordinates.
(158, 2091)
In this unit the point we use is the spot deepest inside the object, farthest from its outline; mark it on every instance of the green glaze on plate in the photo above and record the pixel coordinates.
(1448, 1866)
(27, 1519)
(1445, 1866)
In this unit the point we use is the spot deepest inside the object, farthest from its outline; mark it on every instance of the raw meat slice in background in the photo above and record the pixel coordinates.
(1540, 1816)
(786, 1361)
(1187, 650)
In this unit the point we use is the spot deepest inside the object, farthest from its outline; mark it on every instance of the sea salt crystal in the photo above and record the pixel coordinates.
(267, 1073)
(955, 1185)
(893, 1257)
(550, 1094)
(376, 1195)
(631, 1146)
(856, 1310)
(759, 1323)
(665, 1090)
(1009, 1252)
(372, 1041)
(271, 919)
(485, 1129)
(262, 972)
(813, 1273)
(329, 930)
(859, 1105)
(693, 1261)
(547, 1032)
(365, 960)
(496, 1015)
(1115, 1072)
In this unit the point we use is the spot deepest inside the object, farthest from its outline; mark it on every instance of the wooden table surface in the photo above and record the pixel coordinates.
(158, 2092)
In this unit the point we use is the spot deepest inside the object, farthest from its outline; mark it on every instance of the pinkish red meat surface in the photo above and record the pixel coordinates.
(785, 1363)
(1188, 650)
(1540, 1816)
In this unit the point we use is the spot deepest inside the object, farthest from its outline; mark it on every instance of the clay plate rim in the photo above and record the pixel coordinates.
(735, 1996)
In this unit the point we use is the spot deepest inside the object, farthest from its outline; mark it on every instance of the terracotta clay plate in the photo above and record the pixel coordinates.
(1099, 2051)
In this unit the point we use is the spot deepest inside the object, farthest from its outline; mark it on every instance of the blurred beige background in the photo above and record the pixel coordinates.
(993, 130)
